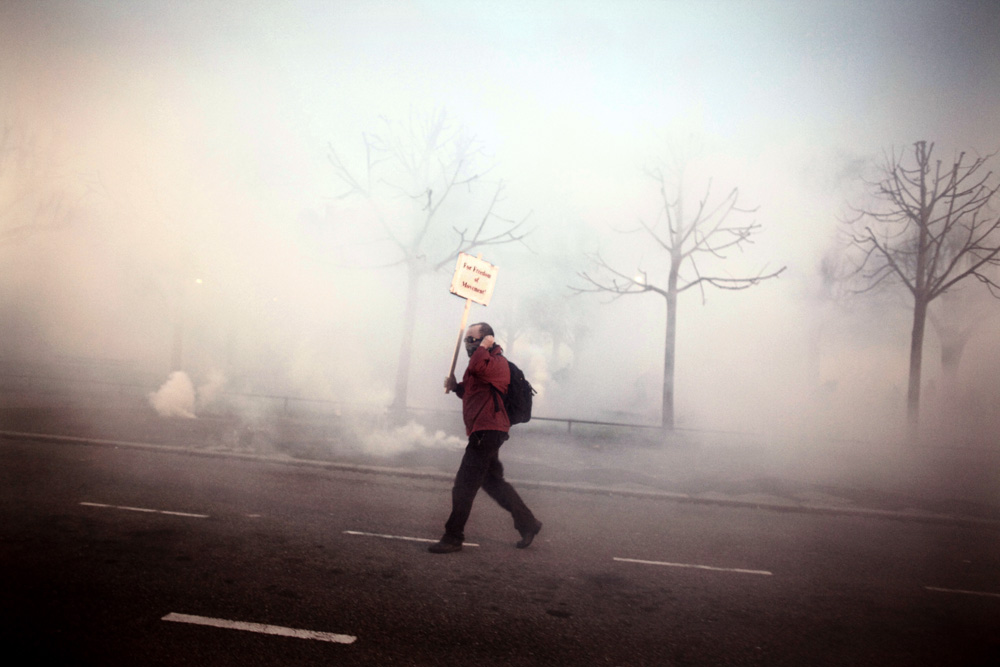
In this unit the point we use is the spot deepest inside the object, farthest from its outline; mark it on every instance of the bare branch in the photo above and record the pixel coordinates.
(705, 232)
(733, 283)
(618, 284)
(932, 235)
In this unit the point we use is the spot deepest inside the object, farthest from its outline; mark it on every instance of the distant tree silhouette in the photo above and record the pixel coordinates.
(687, 239)
(412, 172)
(928, 226)
(28, 201)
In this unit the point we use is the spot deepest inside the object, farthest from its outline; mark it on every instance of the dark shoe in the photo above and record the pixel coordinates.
(528, 536)
(443, 547)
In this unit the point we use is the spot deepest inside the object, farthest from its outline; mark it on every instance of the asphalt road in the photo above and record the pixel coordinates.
(119, 556)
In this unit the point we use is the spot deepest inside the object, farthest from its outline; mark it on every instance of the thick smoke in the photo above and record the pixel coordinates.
(169, 209)
(411, 436)
(175, 398)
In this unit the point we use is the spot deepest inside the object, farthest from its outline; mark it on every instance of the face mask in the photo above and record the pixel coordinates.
(471, 347)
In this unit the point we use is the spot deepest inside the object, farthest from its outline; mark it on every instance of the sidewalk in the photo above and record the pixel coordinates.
(847, 478)
(954, 486)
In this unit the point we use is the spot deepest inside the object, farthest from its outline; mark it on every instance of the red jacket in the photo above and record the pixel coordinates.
(486, 368)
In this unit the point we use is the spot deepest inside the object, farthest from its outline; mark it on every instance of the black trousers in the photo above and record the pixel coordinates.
(481, 467)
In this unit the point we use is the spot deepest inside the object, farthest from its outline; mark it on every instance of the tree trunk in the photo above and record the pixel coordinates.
(667, 418)
(670, 344)
(398, 408)
(916, 354)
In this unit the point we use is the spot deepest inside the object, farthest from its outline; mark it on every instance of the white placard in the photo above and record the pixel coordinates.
(474, 279)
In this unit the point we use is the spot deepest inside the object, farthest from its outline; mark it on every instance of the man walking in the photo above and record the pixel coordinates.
(487, 425)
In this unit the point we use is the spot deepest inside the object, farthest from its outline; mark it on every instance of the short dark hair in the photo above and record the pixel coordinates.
(484, 328)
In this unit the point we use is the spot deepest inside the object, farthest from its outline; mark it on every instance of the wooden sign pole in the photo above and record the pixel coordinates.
(461, 335)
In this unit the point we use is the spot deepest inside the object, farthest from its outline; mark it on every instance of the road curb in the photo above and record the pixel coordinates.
(800, 508)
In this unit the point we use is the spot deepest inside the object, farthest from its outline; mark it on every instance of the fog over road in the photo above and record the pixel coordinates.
(102, 548)
(178, 195)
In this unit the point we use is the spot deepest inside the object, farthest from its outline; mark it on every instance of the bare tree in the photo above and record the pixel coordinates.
(411, 172)
(687, 240)
(28, 201)
(929, 227)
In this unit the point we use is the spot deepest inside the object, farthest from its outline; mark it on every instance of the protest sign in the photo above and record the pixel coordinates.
(474, 280)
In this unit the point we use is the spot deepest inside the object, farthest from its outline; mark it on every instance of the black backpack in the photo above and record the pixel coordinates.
(517, 400)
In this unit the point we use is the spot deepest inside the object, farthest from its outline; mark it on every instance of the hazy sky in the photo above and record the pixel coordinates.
(564, 93)
(210, 122)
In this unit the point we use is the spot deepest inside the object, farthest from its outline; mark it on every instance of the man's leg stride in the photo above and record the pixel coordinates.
(469, 478)
(481, 467)
(508, 498)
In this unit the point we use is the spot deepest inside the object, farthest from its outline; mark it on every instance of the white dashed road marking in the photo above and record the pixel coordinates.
(698, 567)
(401, 537)
(952, 590)
(260, 628)
(145, 509)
